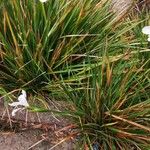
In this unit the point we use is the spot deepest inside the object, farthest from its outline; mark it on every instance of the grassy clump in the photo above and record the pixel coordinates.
(114, 106)
(79, 51)
(41, 42)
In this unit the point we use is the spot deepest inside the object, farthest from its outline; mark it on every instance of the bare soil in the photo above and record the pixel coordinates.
(35, 131)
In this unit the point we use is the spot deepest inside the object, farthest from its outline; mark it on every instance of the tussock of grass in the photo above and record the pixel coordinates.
(38, 40)
(80, 52)
(114, 106)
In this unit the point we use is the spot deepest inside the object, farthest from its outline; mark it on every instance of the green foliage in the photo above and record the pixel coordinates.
(114, 105)
(81, 52)
(40, 42)
(114, 100)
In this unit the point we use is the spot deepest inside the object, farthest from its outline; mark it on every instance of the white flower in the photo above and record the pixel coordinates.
(13, 113)
(146, 30)
(43, 1)
(22, 101)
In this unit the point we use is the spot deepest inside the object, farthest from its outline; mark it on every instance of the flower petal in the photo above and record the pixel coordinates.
(146, 30)
(14, 104)
(42, 1)
(24, 93)
(22, 99)
(13, 113)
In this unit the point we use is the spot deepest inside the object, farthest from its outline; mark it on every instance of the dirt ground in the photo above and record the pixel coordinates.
(30, 140)
(34, 131)
(121, 6)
